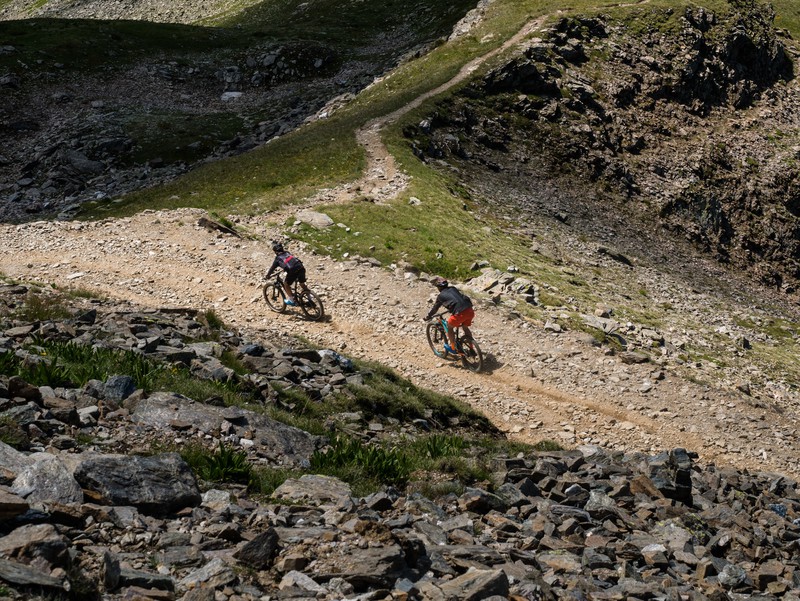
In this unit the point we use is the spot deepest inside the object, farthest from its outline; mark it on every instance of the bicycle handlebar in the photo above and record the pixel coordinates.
(440, 315)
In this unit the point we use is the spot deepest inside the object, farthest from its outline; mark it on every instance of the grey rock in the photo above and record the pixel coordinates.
(47, 479)
(157, 485)
(314, 489)
(27, 576)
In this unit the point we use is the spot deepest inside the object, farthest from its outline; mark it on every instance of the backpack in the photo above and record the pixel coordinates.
(289, 262)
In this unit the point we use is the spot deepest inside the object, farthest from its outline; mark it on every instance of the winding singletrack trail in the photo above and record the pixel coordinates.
(538, 385)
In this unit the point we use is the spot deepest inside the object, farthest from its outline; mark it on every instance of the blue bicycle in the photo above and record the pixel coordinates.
(466, 348)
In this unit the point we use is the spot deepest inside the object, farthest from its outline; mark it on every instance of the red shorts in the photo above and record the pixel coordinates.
(461, 319)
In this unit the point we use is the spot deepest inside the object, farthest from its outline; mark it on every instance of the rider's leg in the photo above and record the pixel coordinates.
(287, 289)
(451, 336)
(467, 333)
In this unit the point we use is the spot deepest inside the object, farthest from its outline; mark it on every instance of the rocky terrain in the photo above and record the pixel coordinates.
(543, 381)
(83, 516)
(679, 478)
(106, 115)
(689, 132)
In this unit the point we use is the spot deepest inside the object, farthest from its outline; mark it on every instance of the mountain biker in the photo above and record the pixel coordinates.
(460, 307)
(294, 268)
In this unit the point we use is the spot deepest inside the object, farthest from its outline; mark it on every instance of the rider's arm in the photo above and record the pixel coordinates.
(273, 267)
(435, 307)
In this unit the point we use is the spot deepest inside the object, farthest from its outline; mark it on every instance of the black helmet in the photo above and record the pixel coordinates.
(277, 247)
(440, 282)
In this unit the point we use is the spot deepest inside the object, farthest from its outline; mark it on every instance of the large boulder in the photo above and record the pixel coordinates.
(155, 485)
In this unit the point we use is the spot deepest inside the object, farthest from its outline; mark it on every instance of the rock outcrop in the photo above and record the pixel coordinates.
(672, 122)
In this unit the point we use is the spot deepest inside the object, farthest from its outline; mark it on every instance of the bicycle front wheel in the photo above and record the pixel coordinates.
(472, 357)
(436, 338)
(311, 305)
(273, 295)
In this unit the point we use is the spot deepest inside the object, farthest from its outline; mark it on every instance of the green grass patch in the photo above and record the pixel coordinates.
(81, 292)
(212, 320)
(387, 394)
(73, 364)
(355, 461)
(384, 394)
(348, 23)
(285, 171)
(40, 307)
(222, 465)
(83, 45)
(265, 480)
(179, 379)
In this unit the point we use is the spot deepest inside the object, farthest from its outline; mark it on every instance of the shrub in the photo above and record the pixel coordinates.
(9, 364)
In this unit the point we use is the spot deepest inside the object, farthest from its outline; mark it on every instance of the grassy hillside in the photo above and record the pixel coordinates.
(325, 154)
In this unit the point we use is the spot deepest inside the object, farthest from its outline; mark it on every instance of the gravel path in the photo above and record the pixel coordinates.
(540, 385)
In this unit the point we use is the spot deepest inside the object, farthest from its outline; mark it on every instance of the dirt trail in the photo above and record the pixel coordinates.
(539, 385)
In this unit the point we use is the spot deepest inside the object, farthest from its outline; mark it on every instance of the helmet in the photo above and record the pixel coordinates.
(277, 247)
(440, 282)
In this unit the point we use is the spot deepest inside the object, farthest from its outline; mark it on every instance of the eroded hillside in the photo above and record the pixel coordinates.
(659, 120)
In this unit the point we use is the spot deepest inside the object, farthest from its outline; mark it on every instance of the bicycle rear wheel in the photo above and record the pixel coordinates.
(436, 338)
(311, 305)
(273, 295)
(472, 357)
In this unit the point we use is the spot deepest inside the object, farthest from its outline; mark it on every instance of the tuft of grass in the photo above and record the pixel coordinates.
(73, 364)
(547, 446)
(354, 461)
(264, 480)
(213, 321)
(9, 364)
(231, 361)
(222, 465)
(39, 307)
(180, 380)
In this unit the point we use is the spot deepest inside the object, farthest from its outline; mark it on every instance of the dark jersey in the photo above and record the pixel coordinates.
(286, 261)
(452, 300)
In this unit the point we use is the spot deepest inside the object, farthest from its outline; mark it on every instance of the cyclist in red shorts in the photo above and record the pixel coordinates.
(460, 307)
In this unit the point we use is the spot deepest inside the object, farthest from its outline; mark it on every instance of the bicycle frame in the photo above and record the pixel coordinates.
(467, 350)
(443, 320)
(309, 303)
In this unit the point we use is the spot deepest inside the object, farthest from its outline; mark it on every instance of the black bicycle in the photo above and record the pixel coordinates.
(309, 303)
(466, 348)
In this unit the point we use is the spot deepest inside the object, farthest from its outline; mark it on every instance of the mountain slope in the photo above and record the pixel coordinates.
(695, 132)
(96, 108)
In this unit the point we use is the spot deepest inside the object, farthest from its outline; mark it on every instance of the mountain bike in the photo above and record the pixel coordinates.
(309, 303)
(467, 349)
